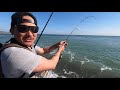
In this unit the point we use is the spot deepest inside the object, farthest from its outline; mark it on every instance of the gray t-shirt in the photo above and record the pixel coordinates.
(16, 61)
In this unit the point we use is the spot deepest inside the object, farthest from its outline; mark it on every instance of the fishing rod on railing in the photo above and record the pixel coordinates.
(43, 29)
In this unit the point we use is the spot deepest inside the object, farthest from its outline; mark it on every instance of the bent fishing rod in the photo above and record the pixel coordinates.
(43, 29)
(75, 28)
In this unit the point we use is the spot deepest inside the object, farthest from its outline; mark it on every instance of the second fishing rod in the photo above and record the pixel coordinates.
(43, 29)
(41, 35)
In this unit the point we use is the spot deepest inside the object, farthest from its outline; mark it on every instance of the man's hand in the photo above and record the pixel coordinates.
(63, 43)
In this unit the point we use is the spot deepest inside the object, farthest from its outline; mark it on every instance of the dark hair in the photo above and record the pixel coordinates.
(16, 18)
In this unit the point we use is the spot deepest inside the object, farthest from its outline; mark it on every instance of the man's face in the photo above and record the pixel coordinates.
(26, 38)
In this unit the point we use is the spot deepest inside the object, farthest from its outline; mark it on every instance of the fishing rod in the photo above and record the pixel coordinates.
(41, 35)
(75, 28)
(43, 29)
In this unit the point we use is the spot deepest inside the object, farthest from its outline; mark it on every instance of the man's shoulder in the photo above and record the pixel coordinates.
(15, 50)
(1, 45)
(12, 46)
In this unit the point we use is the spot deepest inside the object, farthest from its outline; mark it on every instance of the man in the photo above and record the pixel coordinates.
(19, 62)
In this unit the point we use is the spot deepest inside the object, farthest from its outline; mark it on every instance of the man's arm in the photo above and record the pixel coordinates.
(50, 64)
(49, 49)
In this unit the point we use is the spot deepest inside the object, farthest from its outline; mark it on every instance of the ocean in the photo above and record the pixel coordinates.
(86, 56)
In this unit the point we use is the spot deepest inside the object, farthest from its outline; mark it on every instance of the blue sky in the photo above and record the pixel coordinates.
(106, 23)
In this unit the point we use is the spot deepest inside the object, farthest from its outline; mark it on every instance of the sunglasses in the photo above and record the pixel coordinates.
(24, 28)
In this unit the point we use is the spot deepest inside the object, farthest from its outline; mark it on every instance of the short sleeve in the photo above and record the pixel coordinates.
(19, 60)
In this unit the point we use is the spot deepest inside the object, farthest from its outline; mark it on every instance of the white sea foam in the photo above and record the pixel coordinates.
(52, 74)
(70, 73)
(105, 68)
(85, 60)
(71, 54)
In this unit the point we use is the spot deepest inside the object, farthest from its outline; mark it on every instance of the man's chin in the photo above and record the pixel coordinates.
(28, 44)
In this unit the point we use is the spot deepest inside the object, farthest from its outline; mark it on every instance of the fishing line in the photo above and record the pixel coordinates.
(75, 28)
